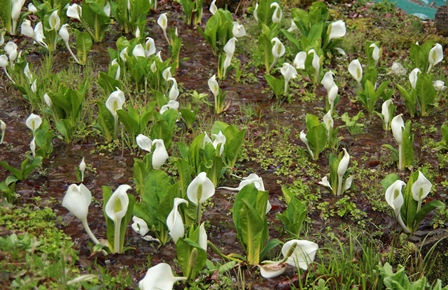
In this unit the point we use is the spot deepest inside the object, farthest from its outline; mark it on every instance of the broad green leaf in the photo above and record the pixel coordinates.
(250, 221)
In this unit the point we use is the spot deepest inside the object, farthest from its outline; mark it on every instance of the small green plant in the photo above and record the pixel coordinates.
(339, 180)
(316, 31)
(192, 10)
(249, 217)
(94, 17)
(294, 216)
(131, 15)
(218, 29)
(316, 138)
(399, 280)
(66, 107)
(421, 96)
(352, 124)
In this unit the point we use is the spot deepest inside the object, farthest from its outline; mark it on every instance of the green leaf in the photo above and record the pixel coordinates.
(250, 221)
(293, 217)
(426, 93)
(83, 46)
(388, 180)
(410, 99)
(105, 121)
(16, 172)
(234, 144)
(275, 84)
(425, 210)
(156, 185)
(317, 139)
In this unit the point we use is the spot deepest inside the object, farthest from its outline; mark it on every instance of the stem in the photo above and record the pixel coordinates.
(7, 74)
(89, 232)
(71, 52)
(198, 214)
(286, 87)
(340, 179)
(419, 205)
(96, 30)
(166, 37)
(273, 64)
(403, 226)
(117, 239)
(400, 157)
(217, 251)
(115, 126)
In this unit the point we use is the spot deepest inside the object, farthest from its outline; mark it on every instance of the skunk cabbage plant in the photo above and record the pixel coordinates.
(77, 200)
(407, 202)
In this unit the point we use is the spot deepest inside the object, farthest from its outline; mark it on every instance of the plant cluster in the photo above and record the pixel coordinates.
(139, 103)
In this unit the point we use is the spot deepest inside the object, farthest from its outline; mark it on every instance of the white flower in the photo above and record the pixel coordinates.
(170, 105)
(397, 69)
(115, 102)
(77, 200)
(33, 122)
(435, 56)
(33, 146)
(327, 80)
(293, 26)
(397, 125)
(174, 220)
(139, 226)
(355, 69)
(74, 11)
(439, 85)
(213, 85)
(160, 154)
(200, 189)
(138, 51)
(332, 94)
(413, 77)
(54, 20)
(421, 187)
(3, 130)
(82, 168)
(238, 30)
(277, 15)
(385, 113)
(144, 142)
(302, 254)
(336, 30)
(376, 53)
(299, 60)
(213, 7)
(159, 277)
(278, 49)
(174, 90)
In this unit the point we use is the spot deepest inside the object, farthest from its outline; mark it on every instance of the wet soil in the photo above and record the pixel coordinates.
(116, 167)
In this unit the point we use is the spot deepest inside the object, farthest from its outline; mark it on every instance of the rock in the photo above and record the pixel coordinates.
(441, 20)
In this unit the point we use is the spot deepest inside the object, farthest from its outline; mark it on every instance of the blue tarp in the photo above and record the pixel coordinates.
(421, 8)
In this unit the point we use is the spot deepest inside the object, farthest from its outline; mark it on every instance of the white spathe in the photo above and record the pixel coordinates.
(33, 122)
(159, 277)
(336, 30)
(200, 189)
(302, 255)
(160, 154)
(421, 187)
(174, 220)
(355, 69)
